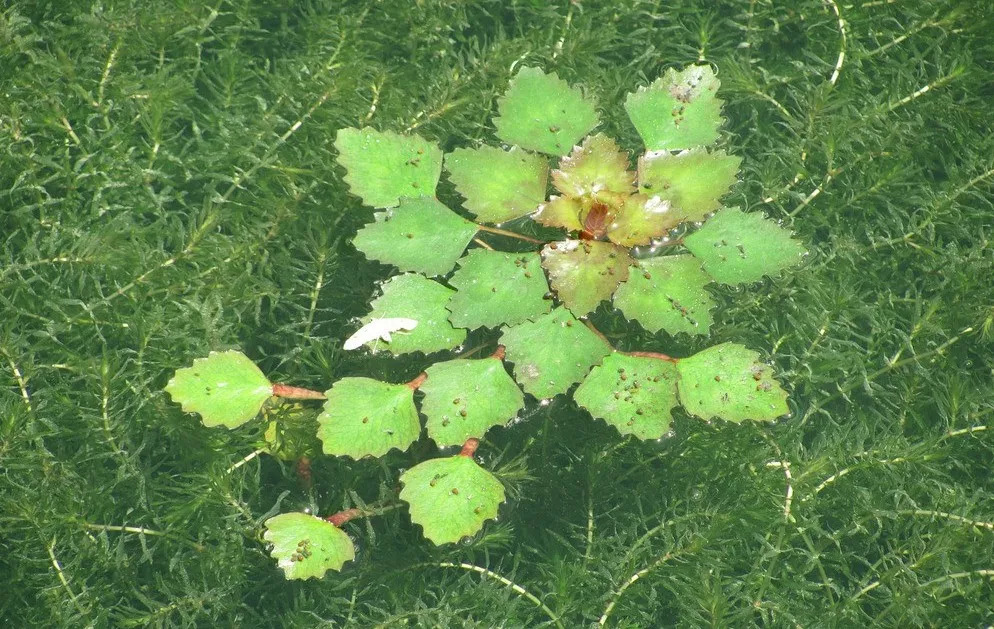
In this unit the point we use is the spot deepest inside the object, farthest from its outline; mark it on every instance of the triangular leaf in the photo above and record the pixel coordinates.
(585, 272)
(561, 212)
(465, 398)
(495, 288)
(692, 181)
(595, 167)
(420, 235)
(552, 352)
(541, 112)
(498, 185)
(366, 417)
(633, 394)
(414, 296)
(385, 166)
(729, 381)
(641, 219)
(736, 247)
(678, 111)
(306, 546)
(451, 498)
(667, 293)
(226, 388)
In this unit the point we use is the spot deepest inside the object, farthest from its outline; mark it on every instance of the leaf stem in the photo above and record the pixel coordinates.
(418, 381)
(499, 353)
(509, 234)
(656, 355)
(469, 448)
(296, 393)
(340, 518)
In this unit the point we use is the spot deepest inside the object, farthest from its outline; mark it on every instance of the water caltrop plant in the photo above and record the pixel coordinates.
(650, 241)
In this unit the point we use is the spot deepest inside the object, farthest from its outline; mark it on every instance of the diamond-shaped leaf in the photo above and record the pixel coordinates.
(465, 398)
(641, 219)
(495, 288)
(692, 181)
(498, 185)
(385, 166)
(451, 498)
(226, 388)
(594, 167)
(667, 293)
(366, 417)
(541, 112)
(414, 296)
(306, 546)
(634, 394)
(561, 212)
(730, 382)
(585, 272)
(552, 352)
(680, 110)
(419, 235)
(736, 247)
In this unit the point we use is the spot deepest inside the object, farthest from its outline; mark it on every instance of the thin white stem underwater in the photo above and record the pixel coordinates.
(517, 589)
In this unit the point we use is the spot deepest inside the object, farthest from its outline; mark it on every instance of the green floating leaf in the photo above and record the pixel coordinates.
(595, 167)
(692, 181)
(496, 288)
(226, 388)
(541, 112)
(640, 219)
(680, 110)
(729, 381)
(634, 394)
(465, 398)
(420, 235)
(552, 352)
(414, 296)
(498, 185)
(366, 417)
(736, 247)
(667, 293)
(585, 272)
(385, 166)
(451, 498)
(561, 212)
(306, 546)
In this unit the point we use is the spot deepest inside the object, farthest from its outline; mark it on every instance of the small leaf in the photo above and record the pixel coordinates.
(385, 166)
(595, 167)
(640, 219)
(552, 352)
(226, 388)
(498, 185)
(633, 394)
(495, 288)
(306, 546)
(451, 498)
(736, 247)
(561, 212)
(692, 181)
(667, 293)
(585, 272)
(729, 381)
(541, 112)
(420, 235)
(680, 110)
(465, 398)
(413, 296)
(366, 417)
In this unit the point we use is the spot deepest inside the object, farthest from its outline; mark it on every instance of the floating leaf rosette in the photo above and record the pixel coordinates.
(451, 498)
(305, 546)
(226, 388)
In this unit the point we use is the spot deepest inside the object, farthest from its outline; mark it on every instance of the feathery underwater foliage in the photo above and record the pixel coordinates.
(168, 187)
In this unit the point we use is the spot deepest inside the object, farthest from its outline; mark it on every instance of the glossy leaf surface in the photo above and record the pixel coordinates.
(226, 388)
(729, 381)
(498, 185)
(366, 417)
(306, 546)
(413, 296)
(584, 273)
(692, 181)
(634, 394)
(496, 288)
(680, 110)
(384, 167)
(667, 293)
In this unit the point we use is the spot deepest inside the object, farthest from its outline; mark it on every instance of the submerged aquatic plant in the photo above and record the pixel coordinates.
(606, 234)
